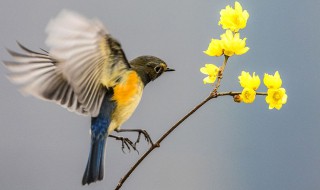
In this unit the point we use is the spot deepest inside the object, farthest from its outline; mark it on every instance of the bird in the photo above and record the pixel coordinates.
(86, 71)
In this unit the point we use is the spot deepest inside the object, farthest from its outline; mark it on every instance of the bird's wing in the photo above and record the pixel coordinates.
(89, 61)
(38, 75)
(92, 59)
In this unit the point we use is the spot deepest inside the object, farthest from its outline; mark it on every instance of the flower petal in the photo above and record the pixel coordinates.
(208, 80)
(212, 69)
(204, 70)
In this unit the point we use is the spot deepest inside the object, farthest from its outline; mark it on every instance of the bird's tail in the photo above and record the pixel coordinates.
(95, 166)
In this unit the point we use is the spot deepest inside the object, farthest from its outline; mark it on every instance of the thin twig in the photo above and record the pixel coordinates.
(237, 93)
(220, 75)
(157, 144)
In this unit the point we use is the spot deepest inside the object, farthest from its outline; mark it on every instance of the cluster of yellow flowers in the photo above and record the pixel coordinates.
(230, 43)
(276, 96)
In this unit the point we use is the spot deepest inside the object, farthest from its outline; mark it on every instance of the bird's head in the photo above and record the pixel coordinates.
(149, 68)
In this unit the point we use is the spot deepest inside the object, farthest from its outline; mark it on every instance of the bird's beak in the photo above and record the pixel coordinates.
(168, 69)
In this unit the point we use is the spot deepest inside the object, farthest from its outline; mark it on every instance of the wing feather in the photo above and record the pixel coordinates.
(38, 75)
(93, 60)
(83, 62)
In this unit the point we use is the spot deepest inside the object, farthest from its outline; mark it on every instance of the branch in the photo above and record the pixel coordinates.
(157, 144)
(220, 75)
(237, 93)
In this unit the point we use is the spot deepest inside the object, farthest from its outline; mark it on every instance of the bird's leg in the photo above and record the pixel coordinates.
(125, 143)
(139, 131)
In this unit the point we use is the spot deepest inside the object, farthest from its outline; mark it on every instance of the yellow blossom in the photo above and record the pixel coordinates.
(276, 98)
(272, 81)
(232, 44)
(212, 72)
(248, 95)
(214, 48)
(248, 81)
(233, 19)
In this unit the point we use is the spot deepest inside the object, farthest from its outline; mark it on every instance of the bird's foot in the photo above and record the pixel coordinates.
(126, 143)
(146, 136)
(139, 131)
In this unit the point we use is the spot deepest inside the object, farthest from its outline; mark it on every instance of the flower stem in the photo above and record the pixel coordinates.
(220, 76)
(236, 93)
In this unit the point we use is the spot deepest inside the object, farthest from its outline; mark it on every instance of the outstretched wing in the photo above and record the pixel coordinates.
(38, 75)
(84, 56)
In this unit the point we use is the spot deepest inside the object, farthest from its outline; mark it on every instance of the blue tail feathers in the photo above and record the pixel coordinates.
(95, 166)
(99, 132)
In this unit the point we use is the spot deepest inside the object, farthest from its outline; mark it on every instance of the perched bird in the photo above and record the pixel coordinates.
(87, 72)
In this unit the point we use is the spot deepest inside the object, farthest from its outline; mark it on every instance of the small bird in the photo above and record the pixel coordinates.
(87, 72)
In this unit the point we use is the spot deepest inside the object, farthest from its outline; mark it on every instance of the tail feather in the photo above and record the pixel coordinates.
(95, 166)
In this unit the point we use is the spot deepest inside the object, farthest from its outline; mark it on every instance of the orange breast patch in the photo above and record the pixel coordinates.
(125, 91)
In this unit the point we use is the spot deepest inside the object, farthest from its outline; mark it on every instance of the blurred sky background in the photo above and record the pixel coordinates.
(223, 146)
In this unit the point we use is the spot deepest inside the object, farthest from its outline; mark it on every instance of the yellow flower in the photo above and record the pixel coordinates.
(232, 44)
(248, 95)
(233, 19)
(214, 48)
(272, 81)
(248, 81)
(276, 98)
(212, 72)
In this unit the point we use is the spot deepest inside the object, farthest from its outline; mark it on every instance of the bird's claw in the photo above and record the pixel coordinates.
(146, 136)
(139, 131)
(125, 143)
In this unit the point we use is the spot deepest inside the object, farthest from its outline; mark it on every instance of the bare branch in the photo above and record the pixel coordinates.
(157, 144)
(237, 93)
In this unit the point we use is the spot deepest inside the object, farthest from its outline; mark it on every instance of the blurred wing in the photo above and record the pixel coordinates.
(92, 59)
(84, 61)
(39, 76)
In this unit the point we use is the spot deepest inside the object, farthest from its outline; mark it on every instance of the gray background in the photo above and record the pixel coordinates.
(224, 146)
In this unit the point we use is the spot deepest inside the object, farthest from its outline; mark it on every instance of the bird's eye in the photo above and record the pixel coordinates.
(158, 69)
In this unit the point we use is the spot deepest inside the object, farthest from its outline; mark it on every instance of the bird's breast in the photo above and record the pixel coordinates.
(127, 95)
